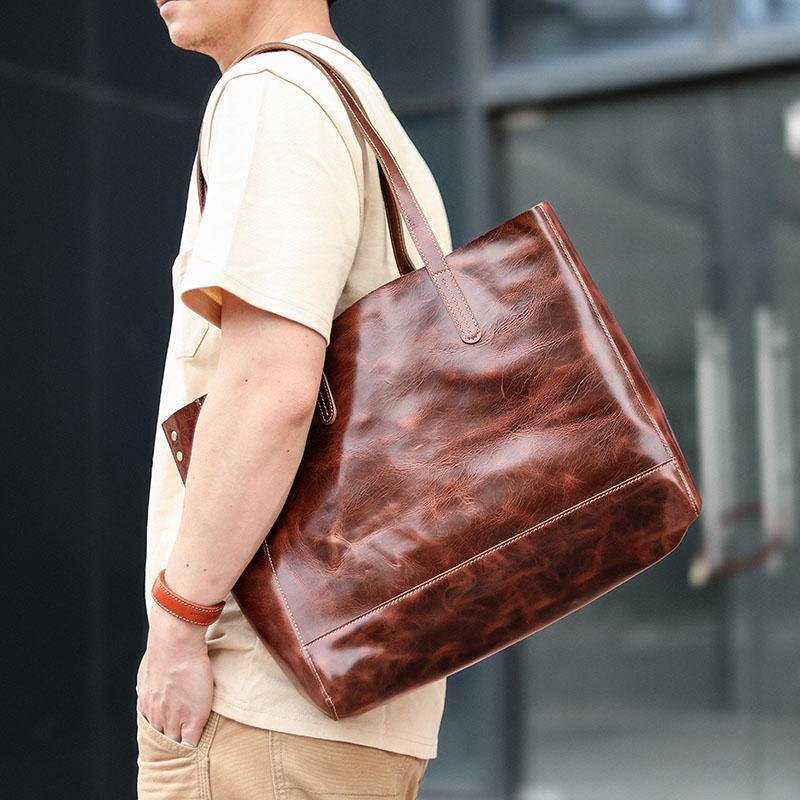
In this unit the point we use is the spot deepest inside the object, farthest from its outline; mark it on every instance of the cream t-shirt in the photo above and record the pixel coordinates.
(294, 223)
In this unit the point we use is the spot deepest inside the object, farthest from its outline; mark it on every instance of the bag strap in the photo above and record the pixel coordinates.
(399, 200)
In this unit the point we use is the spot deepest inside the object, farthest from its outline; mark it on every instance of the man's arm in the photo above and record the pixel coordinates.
(273, 251)
(250, 437)
(247, 446)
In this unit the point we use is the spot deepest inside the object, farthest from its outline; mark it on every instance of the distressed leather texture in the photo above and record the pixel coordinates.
(466, 491)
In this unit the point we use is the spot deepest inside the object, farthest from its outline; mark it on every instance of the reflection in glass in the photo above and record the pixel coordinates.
(760, 11)
(536, 29)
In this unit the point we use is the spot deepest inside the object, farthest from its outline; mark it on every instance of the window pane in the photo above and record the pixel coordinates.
(538, 29)
(754, 12)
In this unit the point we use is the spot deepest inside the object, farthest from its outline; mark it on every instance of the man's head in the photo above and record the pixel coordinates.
(223, 29)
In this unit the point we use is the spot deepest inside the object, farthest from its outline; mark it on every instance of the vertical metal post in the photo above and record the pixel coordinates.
(474, 22)
(473, 18)
(719, 16)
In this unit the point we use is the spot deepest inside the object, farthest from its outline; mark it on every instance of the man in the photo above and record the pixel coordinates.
(293, 231)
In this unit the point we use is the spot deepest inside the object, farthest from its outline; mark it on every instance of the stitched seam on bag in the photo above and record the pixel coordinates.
(322, 405)
(478, 556)
(299, 636)
(436, 276)
(327, 408)
(431, 272)
(329, 397)
(323, 400)
(618, 355)
(397, 224)
(458, 296)
(456, 290)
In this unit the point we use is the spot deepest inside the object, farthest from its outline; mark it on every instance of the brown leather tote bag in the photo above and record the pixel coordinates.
(486, 456)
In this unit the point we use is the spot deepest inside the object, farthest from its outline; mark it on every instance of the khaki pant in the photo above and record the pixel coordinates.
(233, 761)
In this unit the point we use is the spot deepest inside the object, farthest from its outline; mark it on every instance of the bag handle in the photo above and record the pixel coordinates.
(399, 200)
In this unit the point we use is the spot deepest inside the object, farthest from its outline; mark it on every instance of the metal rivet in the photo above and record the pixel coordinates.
(179, 455)
(174, 435)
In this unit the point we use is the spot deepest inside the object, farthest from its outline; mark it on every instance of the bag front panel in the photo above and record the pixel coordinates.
(440, 449)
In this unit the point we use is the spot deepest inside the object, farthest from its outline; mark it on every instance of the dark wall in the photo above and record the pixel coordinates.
(100, 117)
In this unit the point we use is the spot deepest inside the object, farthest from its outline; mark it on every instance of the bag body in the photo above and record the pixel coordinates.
(487, 456)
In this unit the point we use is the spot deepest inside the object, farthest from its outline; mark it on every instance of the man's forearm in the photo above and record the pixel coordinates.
(248, 443)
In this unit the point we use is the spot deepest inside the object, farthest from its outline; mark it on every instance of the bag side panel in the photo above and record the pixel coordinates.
(549, 221)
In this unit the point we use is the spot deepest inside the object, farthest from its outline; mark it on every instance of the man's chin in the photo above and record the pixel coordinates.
(184, 38)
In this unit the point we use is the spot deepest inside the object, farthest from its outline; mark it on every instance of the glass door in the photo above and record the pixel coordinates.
(685, 204)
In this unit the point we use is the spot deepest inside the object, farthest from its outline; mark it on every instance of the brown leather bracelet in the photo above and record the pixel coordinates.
(182, 608)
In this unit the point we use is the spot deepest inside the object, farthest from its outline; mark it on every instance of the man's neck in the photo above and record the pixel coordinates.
(275, 29)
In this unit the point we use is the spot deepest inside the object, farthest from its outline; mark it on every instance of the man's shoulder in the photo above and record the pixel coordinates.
(287, 84)
(284, 70)
(286, 78)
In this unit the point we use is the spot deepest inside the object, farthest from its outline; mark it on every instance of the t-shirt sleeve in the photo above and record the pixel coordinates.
(282, 216)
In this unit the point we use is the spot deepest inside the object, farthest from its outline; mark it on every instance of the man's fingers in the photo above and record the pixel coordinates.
(191, 733)
(185, 733)
(142, 709)
(173, 731)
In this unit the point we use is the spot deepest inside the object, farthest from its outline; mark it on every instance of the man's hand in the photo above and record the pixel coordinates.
(174, 683)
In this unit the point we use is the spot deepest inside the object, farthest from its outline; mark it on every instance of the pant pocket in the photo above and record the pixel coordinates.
(309, 768)
(170, 770)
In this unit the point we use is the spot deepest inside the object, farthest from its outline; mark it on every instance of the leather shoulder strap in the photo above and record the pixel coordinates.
(398, 197)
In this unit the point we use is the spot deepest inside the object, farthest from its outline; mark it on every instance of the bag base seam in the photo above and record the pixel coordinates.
(478, 556)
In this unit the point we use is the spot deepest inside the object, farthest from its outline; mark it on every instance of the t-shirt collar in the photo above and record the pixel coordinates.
(334, 44)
